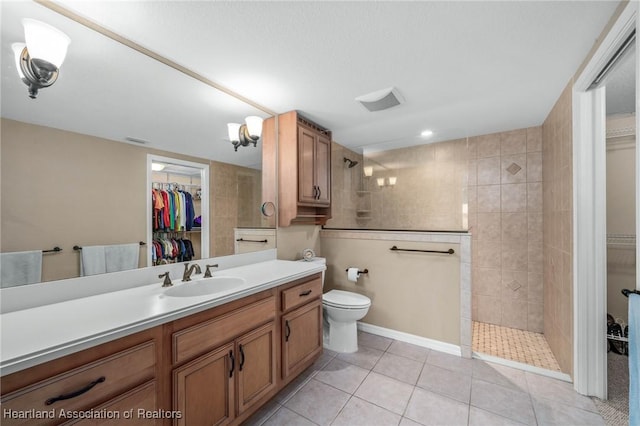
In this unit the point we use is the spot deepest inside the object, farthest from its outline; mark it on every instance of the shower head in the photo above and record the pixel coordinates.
(350, 163)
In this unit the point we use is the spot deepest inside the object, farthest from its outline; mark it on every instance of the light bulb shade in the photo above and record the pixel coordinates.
(234, 131)
(156, 167)
(368, 171)
(45, 42)
(393, 180)
(254, 126)
(380, 181)
(17, 53)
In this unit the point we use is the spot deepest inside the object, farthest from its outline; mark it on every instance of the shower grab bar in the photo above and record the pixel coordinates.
(627, 292)
(253, 241)
(77, 248)
(450, 251)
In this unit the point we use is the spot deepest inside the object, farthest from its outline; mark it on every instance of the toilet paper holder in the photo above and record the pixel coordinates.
(364, 271)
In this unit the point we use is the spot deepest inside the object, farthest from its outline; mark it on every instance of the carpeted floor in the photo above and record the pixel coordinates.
(615, 410)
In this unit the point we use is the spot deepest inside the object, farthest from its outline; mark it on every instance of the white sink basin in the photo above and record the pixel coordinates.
(205, 287)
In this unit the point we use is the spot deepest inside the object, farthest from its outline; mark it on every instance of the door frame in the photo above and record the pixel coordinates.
(589, 211)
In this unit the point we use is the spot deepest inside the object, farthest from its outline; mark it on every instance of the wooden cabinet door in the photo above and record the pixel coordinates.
(307, 190)
(203, 390)
(256, 365)
(302, 336)
(142, 400)
(323, 170)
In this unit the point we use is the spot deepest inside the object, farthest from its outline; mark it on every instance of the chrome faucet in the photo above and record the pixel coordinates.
(207, 273)
(189, 270)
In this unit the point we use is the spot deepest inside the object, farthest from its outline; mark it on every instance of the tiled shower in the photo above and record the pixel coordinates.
(493, 186)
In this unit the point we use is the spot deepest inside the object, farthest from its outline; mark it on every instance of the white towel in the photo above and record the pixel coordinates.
(20, 267)
(122, 257)
(92, 261)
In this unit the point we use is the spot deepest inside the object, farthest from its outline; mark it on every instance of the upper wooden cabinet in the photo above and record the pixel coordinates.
(304, 170)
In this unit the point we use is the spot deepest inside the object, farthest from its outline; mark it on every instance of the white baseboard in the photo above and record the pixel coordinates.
(521, 366)
(436, 345)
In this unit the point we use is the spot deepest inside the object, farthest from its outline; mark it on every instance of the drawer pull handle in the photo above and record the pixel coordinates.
(241, 357)
(233, 363)
(76, 393)
(287, 331)
(305, 293)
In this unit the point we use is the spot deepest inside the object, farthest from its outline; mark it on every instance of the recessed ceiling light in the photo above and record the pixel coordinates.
(426, 133)
(156, 167)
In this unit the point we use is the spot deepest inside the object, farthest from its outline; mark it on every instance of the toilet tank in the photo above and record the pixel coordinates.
(321, 260)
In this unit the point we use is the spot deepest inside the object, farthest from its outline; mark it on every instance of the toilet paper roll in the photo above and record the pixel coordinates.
(352, 274)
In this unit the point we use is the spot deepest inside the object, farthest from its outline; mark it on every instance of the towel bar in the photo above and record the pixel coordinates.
(53, 250)
(142, 243)
(627, 292)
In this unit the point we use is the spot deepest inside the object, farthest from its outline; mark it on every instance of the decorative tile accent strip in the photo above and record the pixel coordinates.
(514, 168)
(514, 285)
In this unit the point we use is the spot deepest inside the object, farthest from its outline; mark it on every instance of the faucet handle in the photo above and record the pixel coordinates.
(167, 280)
(207, 273)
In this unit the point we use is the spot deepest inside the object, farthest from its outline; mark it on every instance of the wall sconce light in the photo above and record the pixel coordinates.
(39, 60)
(368, 171)
(244, 134)
(392, 181)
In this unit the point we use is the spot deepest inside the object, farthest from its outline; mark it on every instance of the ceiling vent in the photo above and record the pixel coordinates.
(381, 99)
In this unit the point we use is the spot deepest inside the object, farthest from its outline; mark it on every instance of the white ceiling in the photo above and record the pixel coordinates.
(464, 68)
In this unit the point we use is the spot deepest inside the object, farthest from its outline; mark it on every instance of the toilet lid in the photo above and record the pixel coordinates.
(347, 299)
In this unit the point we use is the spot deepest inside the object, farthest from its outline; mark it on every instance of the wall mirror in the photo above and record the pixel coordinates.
(75, 159)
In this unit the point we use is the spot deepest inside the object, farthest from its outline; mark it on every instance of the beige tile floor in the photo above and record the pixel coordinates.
(517, 345)
(388, 382)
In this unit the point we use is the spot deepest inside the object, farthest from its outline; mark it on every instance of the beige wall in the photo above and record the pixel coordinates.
(621, 208)
(295, 238)
(557, 171)
(414, 293)
(505, 217)
(63, 189)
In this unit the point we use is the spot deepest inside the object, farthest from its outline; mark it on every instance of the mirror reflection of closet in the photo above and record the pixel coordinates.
(178, 210)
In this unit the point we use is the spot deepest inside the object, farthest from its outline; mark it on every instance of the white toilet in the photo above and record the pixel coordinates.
(341, 310)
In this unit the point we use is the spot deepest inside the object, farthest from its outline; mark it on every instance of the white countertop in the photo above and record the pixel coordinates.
(39, 334)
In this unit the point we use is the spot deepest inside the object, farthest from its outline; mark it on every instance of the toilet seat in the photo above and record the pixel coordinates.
(345, 300)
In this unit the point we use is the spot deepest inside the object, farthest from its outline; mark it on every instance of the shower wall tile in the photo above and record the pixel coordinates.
(514, 255)
(557, 193)
(514, 197)
(488, 198)
(534, 197)
(514, 168)
(534, 139)
(489, 171)
(514, 226)
(487, 281)
(534, 167)
(489, 226)
(509, 212)
(514, 142)
(488, 145)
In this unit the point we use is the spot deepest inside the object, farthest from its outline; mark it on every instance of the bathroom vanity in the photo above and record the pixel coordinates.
(210, 359)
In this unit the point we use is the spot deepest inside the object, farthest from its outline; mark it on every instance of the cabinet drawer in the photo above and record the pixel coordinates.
(141, 399)
(205, 336)
(301, 294)
(83, 387)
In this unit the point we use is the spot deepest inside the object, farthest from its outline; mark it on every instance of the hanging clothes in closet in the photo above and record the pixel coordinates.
(171, 250)
(172, 210)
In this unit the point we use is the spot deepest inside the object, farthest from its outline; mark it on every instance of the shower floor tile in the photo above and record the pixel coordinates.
(513, 344)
